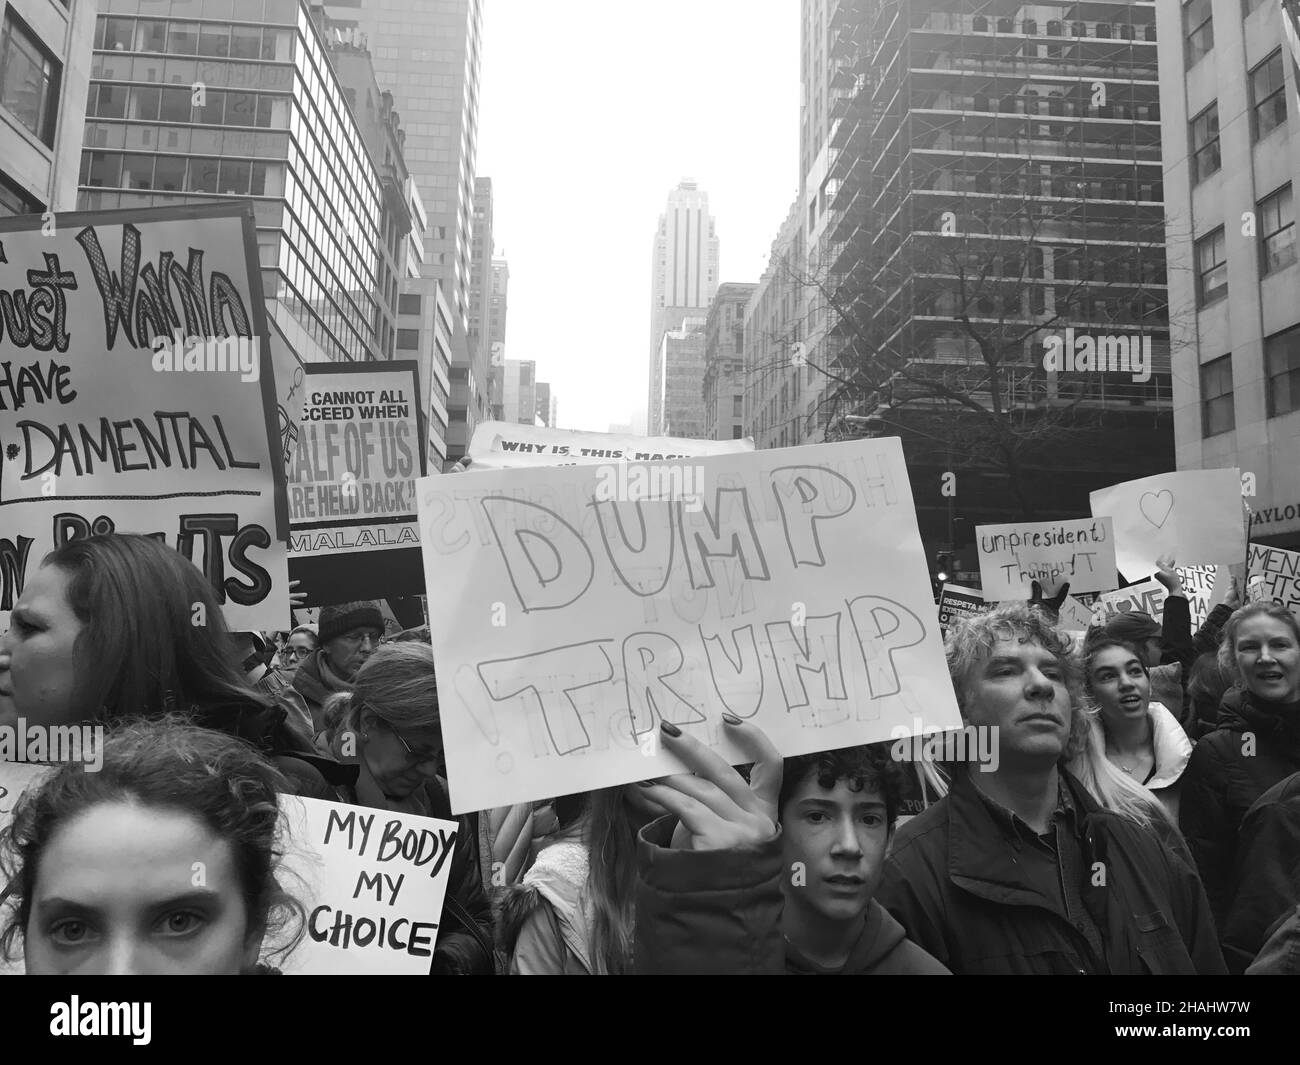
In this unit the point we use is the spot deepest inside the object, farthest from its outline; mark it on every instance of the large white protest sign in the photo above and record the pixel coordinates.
(505, 445)
(136, 396)
(1080, 552)
(357, 454)
(372, 883)
(1193, 515)
(796, 596)
(1275, 574)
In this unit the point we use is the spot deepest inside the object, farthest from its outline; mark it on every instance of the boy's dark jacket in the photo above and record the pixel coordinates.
(720, 912)
(952, 880)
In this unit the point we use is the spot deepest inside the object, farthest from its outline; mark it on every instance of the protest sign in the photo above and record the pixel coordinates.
(1193, 515)
(1275, 573)
(956, 602)
(136, 396)
(1147, 596)
(1080, 552)
(15, 778)
(1074, 616)
(1206, 587)
(505, 445)
(358, 452)
(372, 883)
(575, 619)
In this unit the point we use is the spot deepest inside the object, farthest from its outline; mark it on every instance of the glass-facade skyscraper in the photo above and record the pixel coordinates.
(192, 100)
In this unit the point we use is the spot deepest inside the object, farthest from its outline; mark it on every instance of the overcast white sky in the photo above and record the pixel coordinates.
(591, 112)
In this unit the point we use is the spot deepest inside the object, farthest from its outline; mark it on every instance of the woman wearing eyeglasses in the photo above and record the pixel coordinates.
(388, 727)
(298, 646)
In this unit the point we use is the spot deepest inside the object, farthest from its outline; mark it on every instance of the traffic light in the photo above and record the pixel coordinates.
(943, 567)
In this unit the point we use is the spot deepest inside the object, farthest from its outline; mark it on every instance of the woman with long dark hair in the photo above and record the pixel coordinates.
(120, 626)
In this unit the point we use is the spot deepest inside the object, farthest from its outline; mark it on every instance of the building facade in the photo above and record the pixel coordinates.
(183, 107)
(684, 270)
(776, 370)
(724, 362)
(519, 392)
(1232, 167)
(480, 270)
(497, 305)
(45, 60)
(681, 354)
(982, 181)
(428, 53)
(424, 332)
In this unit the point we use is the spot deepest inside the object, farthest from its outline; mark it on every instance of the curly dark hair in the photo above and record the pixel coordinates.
(167, 764)
(868, 767)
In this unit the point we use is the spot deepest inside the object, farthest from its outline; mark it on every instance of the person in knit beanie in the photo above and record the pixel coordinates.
(348, 632)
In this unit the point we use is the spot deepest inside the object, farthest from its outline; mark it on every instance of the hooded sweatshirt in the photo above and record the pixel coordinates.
(545, 921)
(720, 912)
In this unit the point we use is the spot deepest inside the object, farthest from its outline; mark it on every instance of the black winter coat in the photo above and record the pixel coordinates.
(1266, 880)
(1256, 745)
(953, 882)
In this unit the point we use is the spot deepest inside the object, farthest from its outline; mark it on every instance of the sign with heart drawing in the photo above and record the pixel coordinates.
(1194, 515)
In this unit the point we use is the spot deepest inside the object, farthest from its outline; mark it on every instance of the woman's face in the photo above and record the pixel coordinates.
(39, 663)
(400, 761)
(1268, 658)
(1119, 684)
(299, 646)
(124, 889)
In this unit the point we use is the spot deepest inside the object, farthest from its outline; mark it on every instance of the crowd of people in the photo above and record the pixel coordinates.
(1143, 814)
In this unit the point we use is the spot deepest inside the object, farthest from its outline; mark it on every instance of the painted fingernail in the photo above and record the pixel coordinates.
(731, 719)
(669, 729)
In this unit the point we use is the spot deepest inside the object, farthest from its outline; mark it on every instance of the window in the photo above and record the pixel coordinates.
(234, 177)
(29, 79)
(183, 38)
(1205, 144)
(214, 40)
(169, 173)
(204, 175)
(1198, 29)
(736, 430)
(1267, 96)
(1282, 367)
(14, 200)
(409, 303)
(175, 105)
(105, 170)
(114, 34)
(245, 42)
(1211, 268)
(1277, 231)
(1216, 397)
(408, 339)
(737, 406)
(137, 171)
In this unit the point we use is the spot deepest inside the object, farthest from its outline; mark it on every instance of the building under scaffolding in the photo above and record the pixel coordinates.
(980, 178)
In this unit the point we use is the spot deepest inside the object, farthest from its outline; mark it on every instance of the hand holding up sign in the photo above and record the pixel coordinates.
(1167, 574)
(718, 810)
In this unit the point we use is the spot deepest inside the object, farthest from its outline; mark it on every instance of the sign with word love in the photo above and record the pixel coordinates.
(1147, 596)
(357, 454)
(1275, 575)
(791, 591)
(1080, 553)
(372, 883)
(136, 396)
(1193, 515)
(504, 445)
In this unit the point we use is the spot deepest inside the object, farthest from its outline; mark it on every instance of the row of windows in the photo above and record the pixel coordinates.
(116, 34)
(1058, 28)
(280, 11)
(1198, 27)
(1282, 383)
(176, 173)
(210, 107)
(1276, 233)
(1267, 112)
